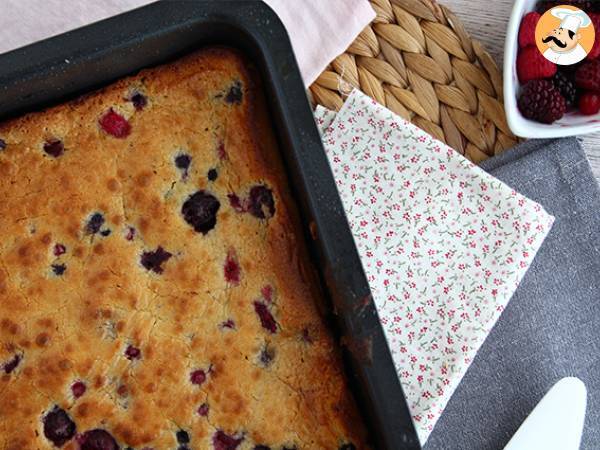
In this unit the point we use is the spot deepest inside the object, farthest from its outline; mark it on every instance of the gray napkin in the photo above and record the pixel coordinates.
(551, 327)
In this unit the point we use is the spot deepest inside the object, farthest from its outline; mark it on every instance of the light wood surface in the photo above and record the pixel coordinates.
(486, 20)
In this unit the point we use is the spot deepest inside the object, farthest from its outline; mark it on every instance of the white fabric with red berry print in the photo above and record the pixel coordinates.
(444, 245)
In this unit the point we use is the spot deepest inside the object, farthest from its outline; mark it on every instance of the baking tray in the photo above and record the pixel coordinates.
(65, 66)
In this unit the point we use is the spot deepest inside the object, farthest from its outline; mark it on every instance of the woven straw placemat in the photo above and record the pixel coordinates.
(417, 59)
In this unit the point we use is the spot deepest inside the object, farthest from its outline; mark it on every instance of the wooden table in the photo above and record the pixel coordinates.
(486, 20)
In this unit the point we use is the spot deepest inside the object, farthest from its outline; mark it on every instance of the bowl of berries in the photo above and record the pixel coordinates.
(551, 82)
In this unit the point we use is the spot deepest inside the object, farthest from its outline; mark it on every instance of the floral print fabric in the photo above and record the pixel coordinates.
(443, 244)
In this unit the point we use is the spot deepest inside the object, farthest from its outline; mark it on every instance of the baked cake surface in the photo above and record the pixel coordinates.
(154, 287)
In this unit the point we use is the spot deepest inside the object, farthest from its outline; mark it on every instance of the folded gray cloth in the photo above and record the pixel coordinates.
(551, 327)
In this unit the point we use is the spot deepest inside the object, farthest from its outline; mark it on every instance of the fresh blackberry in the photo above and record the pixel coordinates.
(585, 5)
(566, 86)
(541, 101)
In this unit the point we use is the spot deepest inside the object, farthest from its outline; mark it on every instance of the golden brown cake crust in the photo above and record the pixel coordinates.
(89, 187)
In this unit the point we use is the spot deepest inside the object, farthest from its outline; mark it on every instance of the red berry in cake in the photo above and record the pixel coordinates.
(565, 83)
(12, 364)
(231, 268)
(54, 147)
(589, 103)
(59, 249)
(132, 353)
(236, 202)
(595, 51)
(260, 202)
(154, 260)
(541, 101)
(200, 211)
(266, 318)
(130, 234)
(78, 389)
(198, 377)
(97, 439)
(267, 293)
(221, 153)
(203, 410)
(223, 441)
(58, 426)
(527, 29)
(588, 75)
(228, 324)
(115, 124)
(531, 65)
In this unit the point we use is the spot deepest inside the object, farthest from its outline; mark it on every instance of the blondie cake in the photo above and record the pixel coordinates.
(155, 291)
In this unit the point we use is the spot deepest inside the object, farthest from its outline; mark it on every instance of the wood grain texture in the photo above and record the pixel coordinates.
(487, 21)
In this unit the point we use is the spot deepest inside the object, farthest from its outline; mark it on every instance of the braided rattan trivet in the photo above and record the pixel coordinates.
(417, 59)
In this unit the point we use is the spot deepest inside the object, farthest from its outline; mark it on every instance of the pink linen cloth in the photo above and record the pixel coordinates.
(319, 30)
(444, 244)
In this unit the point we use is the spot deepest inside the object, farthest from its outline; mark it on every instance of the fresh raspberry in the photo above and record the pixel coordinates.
(565, 84)
(527, 29)
(115, 124)
(531, 65)
(588, 75)
(589, 103)
(595, 51)
(541, 101)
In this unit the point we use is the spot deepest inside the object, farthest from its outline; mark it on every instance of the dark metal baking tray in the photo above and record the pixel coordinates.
(62, 67)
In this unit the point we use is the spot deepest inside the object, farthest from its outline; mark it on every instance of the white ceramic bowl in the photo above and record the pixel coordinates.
(571, 124)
